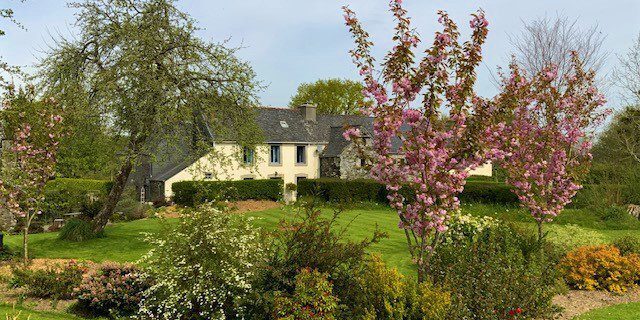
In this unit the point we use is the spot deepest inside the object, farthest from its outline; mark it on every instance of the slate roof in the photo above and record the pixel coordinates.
(298, 130)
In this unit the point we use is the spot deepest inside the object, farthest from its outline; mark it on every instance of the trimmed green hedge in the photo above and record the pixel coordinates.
(79, 185)
(189, 193)
(337, 190)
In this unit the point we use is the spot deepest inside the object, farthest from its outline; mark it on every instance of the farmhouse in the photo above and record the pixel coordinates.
(298, 144)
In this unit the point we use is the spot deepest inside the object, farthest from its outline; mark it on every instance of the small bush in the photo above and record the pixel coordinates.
(53, 282)
(308, 239)
(628, 245)
(384, 293)
(488, 192)
(600, 268)
(312, 298)
(112, 290)
(77, 230)
(201, 267)
(191, 193)
(497, 271)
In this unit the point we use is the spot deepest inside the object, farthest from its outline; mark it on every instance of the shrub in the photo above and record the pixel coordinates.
(77, 230)
(312, 298)
(467, 227)
(81, 185)
(384, 293)
(308, 239)
(600, 268)
(497, 271)
(488, 192)
(112, 290)
(201, 267)
(53, 282)
(190, 193)
(628, 245)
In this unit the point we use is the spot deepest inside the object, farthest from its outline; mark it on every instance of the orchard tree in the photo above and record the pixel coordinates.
(440, 137)
(549, 138)
(138, 67)
(35, 128)
(331, 96)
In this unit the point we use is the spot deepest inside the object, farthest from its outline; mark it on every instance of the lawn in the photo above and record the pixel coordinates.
(11, 313)
(124, 242)
(626, 311)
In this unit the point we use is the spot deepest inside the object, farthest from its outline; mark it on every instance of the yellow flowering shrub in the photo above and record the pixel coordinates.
(600, 267)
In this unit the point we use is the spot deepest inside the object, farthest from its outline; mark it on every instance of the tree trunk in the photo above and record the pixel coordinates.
(25, 243)
(100, 221)
(540, 231)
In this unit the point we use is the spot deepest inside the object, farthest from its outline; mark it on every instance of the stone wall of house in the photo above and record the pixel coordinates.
(329, 167)
(351, 164)
(7, 220)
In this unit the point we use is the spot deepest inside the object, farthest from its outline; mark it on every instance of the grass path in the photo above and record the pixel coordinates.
(11, 313)
(626, 311)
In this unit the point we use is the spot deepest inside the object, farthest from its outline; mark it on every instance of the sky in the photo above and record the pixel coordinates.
(289, 42)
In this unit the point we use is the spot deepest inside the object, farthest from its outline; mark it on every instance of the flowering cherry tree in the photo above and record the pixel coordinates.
(436, 148)
(548, 139)
(31, 158)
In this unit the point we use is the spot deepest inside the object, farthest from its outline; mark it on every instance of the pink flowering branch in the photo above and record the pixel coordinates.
(436, 149)
(548, 140)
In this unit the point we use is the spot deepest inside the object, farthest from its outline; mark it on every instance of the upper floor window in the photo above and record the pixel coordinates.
(275, 154)
(248, 155)
(301, 154)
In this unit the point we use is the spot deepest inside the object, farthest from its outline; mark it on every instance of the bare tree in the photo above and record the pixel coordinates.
(627, 74)
(551, 40)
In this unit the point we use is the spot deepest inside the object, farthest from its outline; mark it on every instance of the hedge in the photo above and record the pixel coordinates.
(79, 185)
(337, 190)
(188, 193)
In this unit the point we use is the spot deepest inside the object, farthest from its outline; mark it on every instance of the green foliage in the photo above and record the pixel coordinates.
(190, 193)
(77, 230)
(307, 239)
(500, 271)
(339, 190)
(112, 290)
(53, 282)
(331, 96)
(80, 185)
(312, 298)
(201, 267)
(628, 245)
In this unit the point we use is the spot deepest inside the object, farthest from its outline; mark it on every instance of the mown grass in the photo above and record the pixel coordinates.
(626, 311)
(18, 313)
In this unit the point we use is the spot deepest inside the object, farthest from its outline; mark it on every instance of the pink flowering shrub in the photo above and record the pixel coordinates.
(35, 128)
(548, 139)
(437, 148)
(112, 289)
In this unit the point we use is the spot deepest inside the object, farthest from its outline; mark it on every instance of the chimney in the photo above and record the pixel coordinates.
(308, 111)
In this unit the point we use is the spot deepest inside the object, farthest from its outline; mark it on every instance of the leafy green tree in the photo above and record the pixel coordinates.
(137, 67)
(620, 141)
(331, 96)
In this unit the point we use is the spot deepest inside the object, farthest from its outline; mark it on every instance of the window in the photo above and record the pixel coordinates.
(274, 156)
(301, 154)
(248, 155)
(208, 175)
(362, 162)
(275, 178)
(247, 178)
(298, 179)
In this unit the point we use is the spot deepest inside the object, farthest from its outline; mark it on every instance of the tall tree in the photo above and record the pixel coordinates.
(551, 40)
(627, 74)
(331, 96)
(138, 67)
(7, 13)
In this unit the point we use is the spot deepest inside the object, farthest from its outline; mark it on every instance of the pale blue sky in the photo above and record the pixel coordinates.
(293, 41)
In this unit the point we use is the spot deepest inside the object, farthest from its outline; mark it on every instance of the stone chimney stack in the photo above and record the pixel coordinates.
(308, 111)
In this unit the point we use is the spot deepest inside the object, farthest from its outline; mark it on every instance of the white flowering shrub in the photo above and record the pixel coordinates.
(202, 267)
(466, 227)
